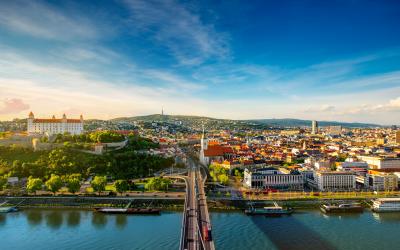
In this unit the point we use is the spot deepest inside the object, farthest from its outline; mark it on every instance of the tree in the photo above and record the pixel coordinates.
(73, 184)
(223, 179)
(3, 182)
(99, 183)
(34, 184)
(157, 183)
(54, 183)
(121, 186)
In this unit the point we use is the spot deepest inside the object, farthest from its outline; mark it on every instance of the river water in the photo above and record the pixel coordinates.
(79, 229)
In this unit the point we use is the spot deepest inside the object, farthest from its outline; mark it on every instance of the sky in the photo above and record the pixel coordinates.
(324, 60)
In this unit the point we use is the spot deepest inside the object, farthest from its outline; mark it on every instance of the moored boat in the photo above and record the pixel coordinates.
(268, 211)
(386, 205)
(128, 210)
(8, 209)
(342, 208)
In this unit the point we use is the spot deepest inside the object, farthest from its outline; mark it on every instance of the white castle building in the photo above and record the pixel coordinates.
(54, 126)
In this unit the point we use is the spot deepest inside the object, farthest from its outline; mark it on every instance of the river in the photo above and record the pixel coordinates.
(309, 229)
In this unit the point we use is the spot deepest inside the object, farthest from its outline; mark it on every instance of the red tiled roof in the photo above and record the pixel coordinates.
(215, 150)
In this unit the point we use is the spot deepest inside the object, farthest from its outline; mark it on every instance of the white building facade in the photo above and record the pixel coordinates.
(272, 178)
(335, 181)
(54, 126)
(380, 162)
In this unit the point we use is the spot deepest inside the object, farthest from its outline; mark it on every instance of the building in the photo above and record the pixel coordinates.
(314, 127)
(360, 167)
(398, 136)
(335, 181)
(380, 181)
(334, 130)
(272, 178)
(381, 162)
(54, 126)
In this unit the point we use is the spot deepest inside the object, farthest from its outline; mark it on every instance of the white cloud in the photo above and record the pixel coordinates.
(12, 106)
(179, 29)
(391, 106)
(44, 21)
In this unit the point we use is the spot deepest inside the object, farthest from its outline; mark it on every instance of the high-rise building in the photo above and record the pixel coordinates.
(314, 127)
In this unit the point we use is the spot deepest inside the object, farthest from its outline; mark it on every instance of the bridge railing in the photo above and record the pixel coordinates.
(183, 226)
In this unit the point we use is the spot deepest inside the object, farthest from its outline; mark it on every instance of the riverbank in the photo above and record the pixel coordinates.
(166, 203)
(92, 202)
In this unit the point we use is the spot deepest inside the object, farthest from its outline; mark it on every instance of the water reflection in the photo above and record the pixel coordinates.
(34, 217)
(387, 217)
(73, 218)
(288, 233)
(120, 221)
(2, 219)
(54, 219)
(99, 220)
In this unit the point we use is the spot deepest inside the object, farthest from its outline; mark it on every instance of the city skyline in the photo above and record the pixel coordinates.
(312, 60)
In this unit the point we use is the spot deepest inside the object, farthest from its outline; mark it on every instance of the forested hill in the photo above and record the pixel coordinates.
(195, 120)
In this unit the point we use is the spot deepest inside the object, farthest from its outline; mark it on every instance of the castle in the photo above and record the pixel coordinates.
(54, 126)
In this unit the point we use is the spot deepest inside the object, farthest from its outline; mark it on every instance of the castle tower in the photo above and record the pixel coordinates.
(30, 120)
(81, 118)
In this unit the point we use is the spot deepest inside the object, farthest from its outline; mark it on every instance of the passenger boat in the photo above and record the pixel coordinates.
(268, 211)
(386, 205)
(342, 208)
(128, 210)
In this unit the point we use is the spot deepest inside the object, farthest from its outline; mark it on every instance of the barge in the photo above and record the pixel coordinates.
(342, 208)
(111, 210)
(8, 209)
(127, 210)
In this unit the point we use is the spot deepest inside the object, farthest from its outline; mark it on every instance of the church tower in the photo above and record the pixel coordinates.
(204, 146)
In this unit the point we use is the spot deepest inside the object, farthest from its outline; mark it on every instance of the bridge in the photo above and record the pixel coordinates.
(196, 233)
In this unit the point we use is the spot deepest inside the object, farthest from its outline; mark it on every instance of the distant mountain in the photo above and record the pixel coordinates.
(196, 120)
(287, 122)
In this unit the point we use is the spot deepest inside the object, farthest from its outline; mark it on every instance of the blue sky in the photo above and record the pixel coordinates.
(324, 60)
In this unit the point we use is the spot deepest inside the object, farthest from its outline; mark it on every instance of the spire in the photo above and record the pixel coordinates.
(64, 116)
(54, 117)
(31, 116)
(81, 117)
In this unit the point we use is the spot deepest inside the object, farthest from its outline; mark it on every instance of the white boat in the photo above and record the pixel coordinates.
(386, 205)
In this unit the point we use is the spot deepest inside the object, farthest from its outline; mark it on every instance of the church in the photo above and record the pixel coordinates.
(54, 126)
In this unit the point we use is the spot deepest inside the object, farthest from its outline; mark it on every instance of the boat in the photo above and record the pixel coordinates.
(127, 210)
(342, 208)
(386, 205)
(7, 209)
(268, 211)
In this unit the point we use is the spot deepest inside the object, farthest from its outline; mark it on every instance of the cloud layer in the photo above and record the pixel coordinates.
(144, 55)
(13, 106)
